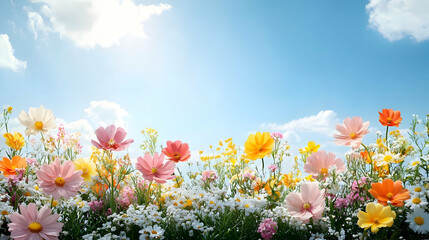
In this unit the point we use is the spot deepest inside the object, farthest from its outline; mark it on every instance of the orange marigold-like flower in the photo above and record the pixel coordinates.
(258, 145)
(390, 192)
(8, 166)
(390, 118)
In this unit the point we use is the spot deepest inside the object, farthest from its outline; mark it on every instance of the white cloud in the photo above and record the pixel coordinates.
(397, 19)
(7, 59)
(103, 113)
(91, 23)
(322, 123)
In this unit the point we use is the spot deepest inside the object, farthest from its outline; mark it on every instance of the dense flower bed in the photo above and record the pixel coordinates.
(378, 191)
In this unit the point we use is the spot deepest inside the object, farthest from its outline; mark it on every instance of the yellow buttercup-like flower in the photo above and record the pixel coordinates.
(15, 141)
(258, 145)
(87, 167)
(376, 217)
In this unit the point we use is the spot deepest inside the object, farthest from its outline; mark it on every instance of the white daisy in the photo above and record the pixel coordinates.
(417, 190)
(37, 120)
(416, 201)
(419, 221)
(386, 158)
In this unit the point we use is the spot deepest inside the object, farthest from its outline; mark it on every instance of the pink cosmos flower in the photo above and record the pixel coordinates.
(310, 203)
(33, 224)
(177, 151)
(153, 168)
(110, 138)
(351, 132)
(320, 162)
(276, 135)
(59, 180)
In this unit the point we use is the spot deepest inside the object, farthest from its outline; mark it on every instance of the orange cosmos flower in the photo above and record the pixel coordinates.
(390, 118)
(390, 192)
(8, 166)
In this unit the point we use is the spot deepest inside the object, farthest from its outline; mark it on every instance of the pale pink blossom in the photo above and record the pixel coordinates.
(110, 138)
(272, 167)
(153, 168)
(276, 135)
(208, 176)
(59, 180)
(319, 163)
(32, 224)
(351, 132)
(177, 151)
(310, 203)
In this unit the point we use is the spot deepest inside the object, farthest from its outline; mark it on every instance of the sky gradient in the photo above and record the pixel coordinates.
(203, 71)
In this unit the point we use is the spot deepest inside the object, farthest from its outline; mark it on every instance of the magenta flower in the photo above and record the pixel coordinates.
(267, 228)
(310, 203)
(59, 180)
(351, 132)
(177, 151)
(153, 168)
(110, 138)
(319, 163)
(33, 224)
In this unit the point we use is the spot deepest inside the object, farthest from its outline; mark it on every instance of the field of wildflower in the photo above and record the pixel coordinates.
(379, 190)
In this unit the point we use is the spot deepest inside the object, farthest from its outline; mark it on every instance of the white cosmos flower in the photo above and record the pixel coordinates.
(386, 158)
(417, 190)
(419, 221)
(37, 120)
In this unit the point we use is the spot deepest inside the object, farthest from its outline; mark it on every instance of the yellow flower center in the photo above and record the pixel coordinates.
(417, 189)
(111, 142)
(260, 149)
(154, 170)
(375, 220)
(419, 220)
(389, 195)
(4, 212)
(84, 170)
(154, 232)
(38, 125)
(59, 181)
(35, 227)
(177, 155)
(353, 135)
(324, 171)
(387, 158)
(417, 200)
(306, 206)
(389, 119)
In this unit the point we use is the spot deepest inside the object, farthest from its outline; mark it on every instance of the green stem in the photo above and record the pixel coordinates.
(370, 158)
(387, 133)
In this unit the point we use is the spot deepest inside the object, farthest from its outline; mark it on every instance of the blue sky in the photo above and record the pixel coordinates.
(202, 71)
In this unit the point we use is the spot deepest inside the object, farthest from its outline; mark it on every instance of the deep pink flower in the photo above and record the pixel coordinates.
(351, 132)
(267, 228)
(177, 151)
(110, 138)
(310, 203)
(59, 180)
(153, 168)
(320, 162)
(33, 224)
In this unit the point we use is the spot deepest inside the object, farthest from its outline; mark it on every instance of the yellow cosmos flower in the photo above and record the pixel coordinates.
(258, 145)
(376, 217)
(15, 141)
(87, 167)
